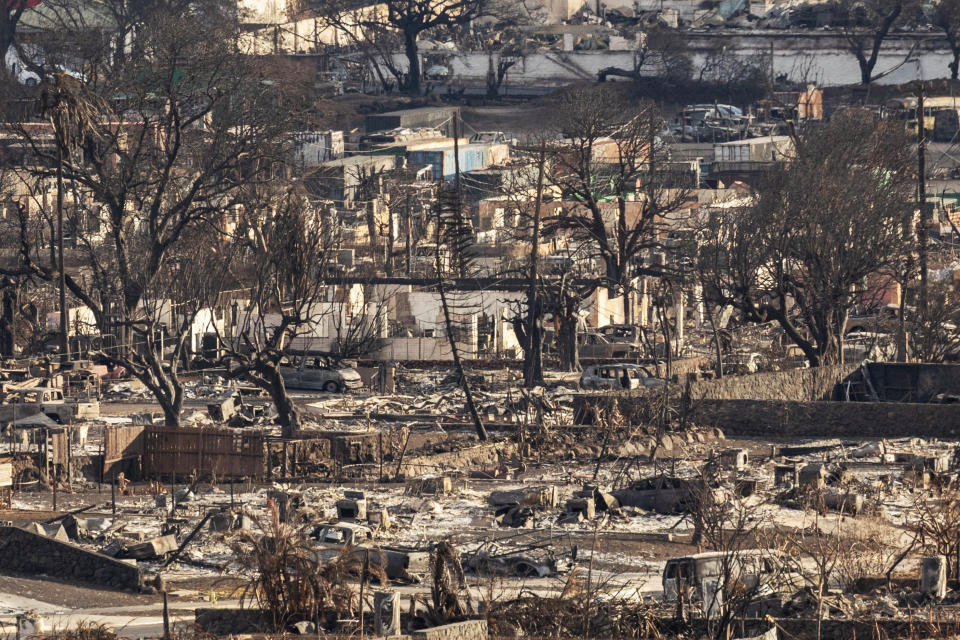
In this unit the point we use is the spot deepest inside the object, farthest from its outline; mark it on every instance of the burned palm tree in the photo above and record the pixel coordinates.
(290, 581)
(446, 571)
(73, 112)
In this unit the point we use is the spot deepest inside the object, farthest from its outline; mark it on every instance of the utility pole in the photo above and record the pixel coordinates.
(409, 234)
(922, 198)
(454, 202)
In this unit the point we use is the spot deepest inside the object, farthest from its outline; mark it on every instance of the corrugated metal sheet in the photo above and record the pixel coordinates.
(472, 157)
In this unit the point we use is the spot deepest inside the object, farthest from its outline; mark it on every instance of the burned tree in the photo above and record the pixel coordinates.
(10, 15)
(660, 50)
(453, 239)
(947, 18)
(151, 168)
(865, 27)
(820, 225)
(400, 20)
(936, 331)
(359, 335)
(505, 42)
(282, 256)
(527, 317)
(611, 169)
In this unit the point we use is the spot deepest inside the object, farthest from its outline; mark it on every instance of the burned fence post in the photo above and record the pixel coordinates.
(166, 617)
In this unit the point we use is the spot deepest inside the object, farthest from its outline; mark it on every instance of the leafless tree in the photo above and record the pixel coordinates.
(359, 335)
(453, 238)
(660, 51)
(730, 526)
(561, 295)
(281, 267)
(866, 26)
(936, 331)
(163, 161)
(408, 20)
(523, 193)
(505, 41)
(935, 525)
(611, 166)
(815, 555)
(10, 15)
(947, 18)
(819, 226)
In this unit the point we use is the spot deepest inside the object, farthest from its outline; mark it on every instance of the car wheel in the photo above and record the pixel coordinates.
(331, 387)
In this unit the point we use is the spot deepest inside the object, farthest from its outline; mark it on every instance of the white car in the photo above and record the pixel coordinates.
(618, 376)
(317, 377)
(19, 70)
(437, 72)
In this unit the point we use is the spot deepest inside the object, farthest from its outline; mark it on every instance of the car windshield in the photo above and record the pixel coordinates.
(332, 535)
(708, 568)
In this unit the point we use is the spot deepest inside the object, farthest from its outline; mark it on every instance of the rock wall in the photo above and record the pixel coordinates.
(796, 384)
(228, 622)
(466, 630)
(789, 419)
(481, 455)
(25, 552)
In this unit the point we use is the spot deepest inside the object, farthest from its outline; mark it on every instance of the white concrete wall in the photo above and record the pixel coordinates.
(80, 321)
(825, 66)
(398, 349)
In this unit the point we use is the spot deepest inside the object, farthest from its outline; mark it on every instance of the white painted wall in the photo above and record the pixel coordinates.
(827, 67)
(395, 349)
(80, 321)
(262, 11)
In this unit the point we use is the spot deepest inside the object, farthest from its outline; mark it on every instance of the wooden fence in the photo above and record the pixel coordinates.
(122, 443)
(221, 452)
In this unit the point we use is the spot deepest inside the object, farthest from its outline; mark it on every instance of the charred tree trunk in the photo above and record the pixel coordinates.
(412, 84)
(567, 341)
(172, 407)
(7, 320)
(716, 344)
(288, 416)
(451, 203)
(533, 354)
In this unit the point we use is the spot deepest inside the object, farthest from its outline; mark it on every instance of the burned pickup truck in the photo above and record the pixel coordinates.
(533, 561)
(51, 402)
(666, 494)
(356, 539)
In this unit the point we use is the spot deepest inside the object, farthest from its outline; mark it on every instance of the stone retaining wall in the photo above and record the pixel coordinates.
(778, 418)
(817, 383)
(466, 630)
(25, 552)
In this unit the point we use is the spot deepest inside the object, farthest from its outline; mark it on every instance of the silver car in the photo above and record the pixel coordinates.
(317, 377)
(618, 376)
